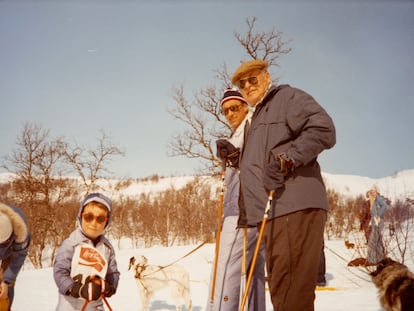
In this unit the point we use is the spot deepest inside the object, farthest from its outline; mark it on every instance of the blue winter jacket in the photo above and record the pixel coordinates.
(287, 120)
(70, 258)
(378, 208)
(63, 265)
(15, 252)
(232, 178)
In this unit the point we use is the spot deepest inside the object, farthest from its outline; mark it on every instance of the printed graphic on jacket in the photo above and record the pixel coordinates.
(87, 260)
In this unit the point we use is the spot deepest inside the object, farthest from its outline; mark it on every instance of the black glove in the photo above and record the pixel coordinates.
(75, 289)
(92, 288)
(107, 289)
(273, 177)
(287, 164)
(228, 153)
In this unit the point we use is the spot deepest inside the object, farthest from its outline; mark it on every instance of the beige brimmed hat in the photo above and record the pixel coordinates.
(247, 67)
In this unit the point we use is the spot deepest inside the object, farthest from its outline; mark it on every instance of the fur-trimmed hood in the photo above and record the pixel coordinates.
(17, 218)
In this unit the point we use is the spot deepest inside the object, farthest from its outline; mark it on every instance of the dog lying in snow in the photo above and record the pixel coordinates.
(395, 285)
(151, 278)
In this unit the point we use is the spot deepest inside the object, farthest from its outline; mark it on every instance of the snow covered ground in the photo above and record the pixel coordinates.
(352, 287)
(36, 290)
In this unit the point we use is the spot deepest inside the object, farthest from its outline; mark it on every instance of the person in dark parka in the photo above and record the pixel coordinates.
(288, 131)
(14, 246)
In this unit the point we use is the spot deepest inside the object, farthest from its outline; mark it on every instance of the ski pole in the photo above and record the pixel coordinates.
(220, 216)
(4, 304)
(106, 302)
(85, 304)
(243, 269)
(256, 251)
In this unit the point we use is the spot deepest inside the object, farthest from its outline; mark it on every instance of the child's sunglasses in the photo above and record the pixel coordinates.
(90, 217)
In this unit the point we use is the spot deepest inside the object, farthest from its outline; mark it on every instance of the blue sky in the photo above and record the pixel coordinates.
(76, 67)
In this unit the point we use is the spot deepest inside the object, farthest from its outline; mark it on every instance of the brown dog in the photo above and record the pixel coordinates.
(349, 244)
(395, 285)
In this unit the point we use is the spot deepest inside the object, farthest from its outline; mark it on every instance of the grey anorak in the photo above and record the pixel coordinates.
(287, 120)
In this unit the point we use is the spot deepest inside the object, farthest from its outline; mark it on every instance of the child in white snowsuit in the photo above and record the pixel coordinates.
(85, 269)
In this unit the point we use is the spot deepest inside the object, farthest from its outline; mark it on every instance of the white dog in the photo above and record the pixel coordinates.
(151, 278)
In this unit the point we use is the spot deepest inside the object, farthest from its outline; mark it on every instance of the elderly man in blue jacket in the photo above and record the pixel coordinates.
(288, 131)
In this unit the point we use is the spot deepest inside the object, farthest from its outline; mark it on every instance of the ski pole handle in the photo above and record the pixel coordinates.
(269, 203)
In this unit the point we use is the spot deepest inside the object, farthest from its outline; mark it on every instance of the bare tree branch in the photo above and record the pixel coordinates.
(91, 163)
(268, 46)
(201, 114)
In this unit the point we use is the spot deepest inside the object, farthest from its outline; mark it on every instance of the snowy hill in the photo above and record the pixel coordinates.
(397, 186)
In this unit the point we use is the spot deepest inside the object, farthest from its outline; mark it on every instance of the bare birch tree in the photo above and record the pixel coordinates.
(90, 163)
(41, 163)
(39, 186)
(201, 113)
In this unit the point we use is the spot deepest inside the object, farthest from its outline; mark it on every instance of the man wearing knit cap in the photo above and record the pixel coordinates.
(14, 246)
(228, 276)
(288, 131)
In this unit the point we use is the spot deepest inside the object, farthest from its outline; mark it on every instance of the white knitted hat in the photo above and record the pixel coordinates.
(6, 228)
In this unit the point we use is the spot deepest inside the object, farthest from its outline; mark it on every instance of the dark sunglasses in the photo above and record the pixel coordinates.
(251, 80)
(234, 108)
(90, 217)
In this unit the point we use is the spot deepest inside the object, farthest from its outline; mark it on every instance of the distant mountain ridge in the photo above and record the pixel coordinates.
(398, 186)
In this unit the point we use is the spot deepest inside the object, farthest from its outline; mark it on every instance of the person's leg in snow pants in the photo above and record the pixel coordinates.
(293, 245)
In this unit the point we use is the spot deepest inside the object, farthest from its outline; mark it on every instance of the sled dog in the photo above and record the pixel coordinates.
(395, 284)
(151, 278)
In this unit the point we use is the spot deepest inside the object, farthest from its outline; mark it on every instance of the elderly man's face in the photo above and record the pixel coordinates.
(253, 86)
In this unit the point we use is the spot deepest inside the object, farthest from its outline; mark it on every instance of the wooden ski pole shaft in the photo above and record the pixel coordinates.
(256, 251)
(244, 268)
(218, 233)
(106, 302)
(85, 304)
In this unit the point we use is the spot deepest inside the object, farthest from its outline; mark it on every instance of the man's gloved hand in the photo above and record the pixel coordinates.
(287, 164)
(228, 153)
(273, 177)
(92, 288)
(107, 289)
